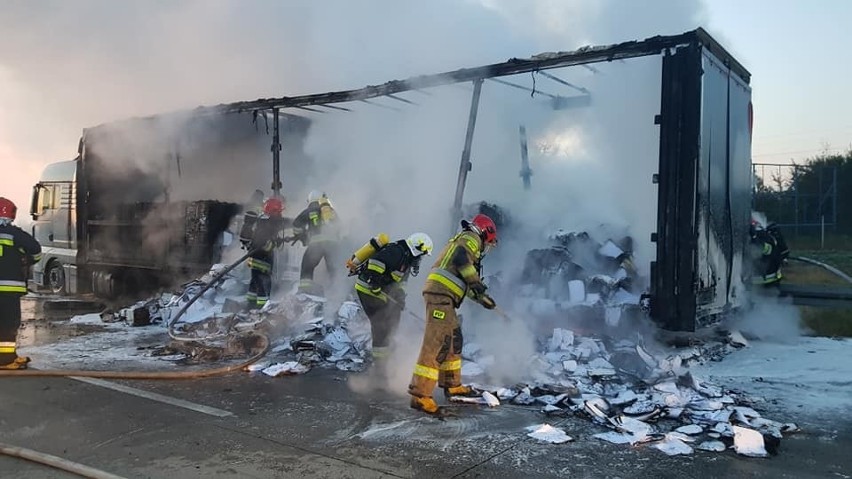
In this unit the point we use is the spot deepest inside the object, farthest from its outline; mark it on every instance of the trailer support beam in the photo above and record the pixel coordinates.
(465, 164)
(276, 154)
(526, 172)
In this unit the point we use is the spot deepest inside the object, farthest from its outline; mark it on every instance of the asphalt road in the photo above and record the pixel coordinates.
(316, 426)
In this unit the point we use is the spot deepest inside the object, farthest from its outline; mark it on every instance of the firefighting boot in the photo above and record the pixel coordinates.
(20, 362)
(427, 405)
(465, 391)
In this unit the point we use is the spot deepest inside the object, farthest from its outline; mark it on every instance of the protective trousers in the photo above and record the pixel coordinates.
(384, 318)
(316, 252)
(10, 321)
(440, 354)
(260, 286)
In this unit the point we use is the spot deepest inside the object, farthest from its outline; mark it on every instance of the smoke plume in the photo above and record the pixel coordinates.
(67, 66)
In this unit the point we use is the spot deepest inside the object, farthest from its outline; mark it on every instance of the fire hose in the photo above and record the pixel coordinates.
(827, 267)
(55, 462)
(215, 280)
(220, 371)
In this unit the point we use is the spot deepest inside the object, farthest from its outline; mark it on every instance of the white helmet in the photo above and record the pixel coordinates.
(314, 196)
(419, 244)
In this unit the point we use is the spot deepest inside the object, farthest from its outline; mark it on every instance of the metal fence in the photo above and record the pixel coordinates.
(802, 199)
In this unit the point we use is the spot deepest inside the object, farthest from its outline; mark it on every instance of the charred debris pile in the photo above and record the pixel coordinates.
(638, 392)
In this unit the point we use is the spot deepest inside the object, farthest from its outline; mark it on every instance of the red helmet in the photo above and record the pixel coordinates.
(484, 227)
(273, 207)
(7, 208)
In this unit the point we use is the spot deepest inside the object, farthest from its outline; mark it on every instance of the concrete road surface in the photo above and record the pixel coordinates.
(313, 426)
(252, 426)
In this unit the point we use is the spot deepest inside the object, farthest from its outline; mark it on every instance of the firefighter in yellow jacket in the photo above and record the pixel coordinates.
(317, 227)
(383, 269)
(454, 276)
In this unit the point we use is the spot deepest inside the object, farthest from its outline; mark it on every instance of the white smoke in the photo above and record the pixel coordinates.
(67, 66)
(770, 318)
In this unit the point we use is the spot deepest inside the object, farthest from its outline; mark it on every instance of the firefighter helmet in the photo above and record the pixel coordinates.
(484, 227)
(314, 196)
(8, 210)
(273, 206)
(754, 227)
(419, 244)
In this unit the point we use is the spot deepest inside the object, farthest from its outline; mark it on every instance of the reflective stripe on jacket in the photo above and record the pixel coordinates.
(317, 222)
(388, 268)
(17, 250)
(456, 268)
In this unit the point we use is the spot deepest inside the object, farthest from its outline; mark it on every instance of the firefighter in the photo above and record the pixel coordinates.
(767, 255)
(383, 268)
(261, 235)
(18, 250)
(775, 231)
(253, 209)
(454, 276)
(316, 227)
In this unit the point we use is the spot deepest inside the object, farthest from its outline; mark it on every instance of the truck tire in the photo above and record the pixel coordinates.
(54, 277)
(104, 284)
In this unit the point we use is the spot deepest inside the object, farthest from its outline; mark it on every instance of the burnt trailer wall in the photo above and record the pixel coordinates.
(157, 193)
(704, 188)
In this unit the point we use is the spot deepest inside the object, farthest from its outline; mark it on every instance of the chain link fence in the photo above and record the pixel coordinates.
(801, 199)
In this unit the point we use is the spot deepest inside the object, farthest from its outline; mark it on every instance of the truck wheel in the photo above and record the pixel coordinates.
(54, 278)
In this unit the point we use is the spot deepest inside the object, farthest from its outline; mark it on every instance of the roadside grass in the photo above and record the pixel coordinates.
(836, 252)
(841, 260)
(827, 321)
(833, 242)
(831, 322)
(797, 272)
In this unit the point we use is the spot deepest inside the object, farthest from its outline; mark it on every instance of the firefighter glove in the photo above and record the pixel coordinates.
(486, 301)
(478, 289)
(398, 295)
(351, 266)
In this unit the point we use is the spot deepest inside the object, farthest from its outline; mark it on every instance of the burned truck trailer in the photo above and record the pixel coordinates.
(703, 173)
(703, 170)
(704, 186)
(147, 200)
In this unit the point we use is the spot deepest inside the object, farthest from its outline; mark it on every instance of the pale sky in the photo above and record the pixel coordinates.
(67, 65)
(798, 54)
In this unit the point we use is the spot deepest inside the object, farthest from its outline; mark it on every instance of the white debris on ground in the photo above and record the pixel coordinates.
(637, 394)
(643, 396)
(285, 369)
(674, 445)
(486, 399)
(749, 442)
(548, 433)
(90, 319)
(303, 338)
(104, 346)
(576, 272)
